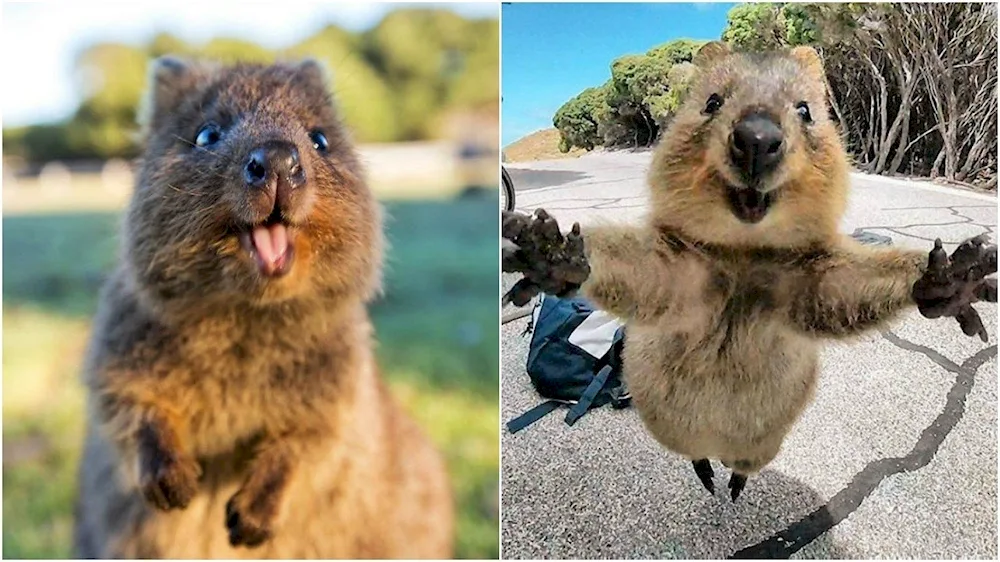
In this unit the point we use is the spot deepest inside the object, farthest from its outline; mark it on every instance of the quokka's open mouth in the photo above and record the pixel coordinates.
(269, 243)
(748, 204)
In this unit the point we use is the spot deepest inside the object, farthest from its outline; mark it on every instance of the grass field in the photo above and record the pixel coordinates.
(438, 334)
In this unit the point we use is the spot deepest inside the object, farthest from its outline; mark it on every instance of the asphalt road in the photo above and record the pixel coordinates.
(895, 458)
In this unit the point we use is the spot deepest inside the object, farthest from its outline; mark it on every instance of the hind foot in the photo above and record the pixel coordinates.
(703, 468)
(736, 483)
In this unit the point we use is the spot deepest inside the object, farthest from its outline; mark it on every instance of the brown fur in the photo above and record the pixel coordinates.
(725, 317)
(223, 398)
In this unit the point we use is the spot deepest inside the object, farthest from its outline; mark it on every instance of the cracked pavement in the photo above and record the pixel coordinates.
(895, 458)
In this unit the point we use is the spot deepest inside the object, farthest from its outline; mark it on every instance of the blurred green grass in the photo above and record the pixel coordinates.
(437, 329)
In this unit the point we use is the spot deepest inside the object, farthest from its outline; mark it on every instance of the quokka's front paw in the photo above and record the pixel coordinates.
(250, 517)
(169, 479)
(550, 262)
(951, 284)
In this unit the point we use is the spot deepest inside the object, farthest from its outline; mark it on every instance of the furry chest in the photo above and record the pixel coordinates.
(235, 399)
(692, 383)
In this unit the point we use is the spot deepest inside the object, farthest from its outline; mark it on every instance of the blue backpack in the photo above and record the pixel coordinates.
(575, 358)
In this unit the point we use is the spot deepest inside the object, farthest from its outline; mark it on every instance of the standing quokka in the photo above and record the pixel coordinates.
(740, 273)
(235, 406)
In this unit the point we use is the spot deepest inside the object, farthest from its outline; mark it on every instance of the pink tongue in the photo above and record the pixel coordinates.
(271, 243)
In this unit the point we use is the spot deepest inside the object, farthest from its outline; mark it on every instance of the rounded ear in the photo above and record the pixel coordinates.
(810, 61)
(170, 78)
(710, 53)
(315, 73)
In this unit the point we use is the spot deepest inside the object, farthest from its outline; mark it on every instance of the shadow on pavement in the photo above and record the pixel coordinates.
(673, 518)
(527, 179)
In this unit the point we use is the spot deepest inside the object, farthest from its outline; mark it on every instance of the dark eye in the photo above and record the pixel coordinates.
(208, 134)
(713, 104)
(803, 110)
(319, 141)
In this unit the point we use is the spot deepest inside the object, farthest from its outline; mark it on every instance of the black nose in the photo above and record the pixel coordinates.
(274, 163)
(756, 145)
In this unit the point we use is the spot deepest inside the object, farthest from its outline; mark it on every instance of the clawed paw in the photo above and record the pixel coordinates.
(550, 262)
(169, 481)
(952, 283)
(249, 522)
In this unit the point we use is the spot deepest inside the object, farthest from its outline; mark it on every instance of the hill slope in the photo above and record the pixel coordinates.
(540, 145)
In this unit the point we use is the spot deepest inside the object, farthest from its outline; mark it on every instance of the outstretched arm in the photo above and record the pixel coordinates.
(630, 272)
(858, 288)
(623, 269)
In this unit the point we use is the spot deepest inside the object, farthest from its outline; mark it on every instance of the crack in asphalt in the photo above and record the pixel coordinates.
(845, 502)
(953, 209)
(799, 534)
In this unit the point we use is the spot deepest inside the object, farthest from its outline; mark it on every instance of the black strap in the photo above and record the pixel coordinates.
(595, 386)
(620, 397)
(532, 415)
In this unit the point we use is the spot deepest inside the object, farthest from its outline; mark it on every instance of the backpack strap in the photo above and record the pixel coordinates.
(620, 397)
(532, 415)
(595, 386)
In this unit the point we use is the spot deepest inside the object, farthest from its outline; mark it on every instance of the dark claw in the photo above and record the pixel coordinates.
(987, 291)
(521, 293)
(703, 468)
(988, 260)
(952, 284)
(512, 260)
(242, 531)
(965, 257)
(546, 228)
(937, 261)
(156, 495)
(574, 241)
(736, 484)
(971, 323)
(168, 481)
(514, 224)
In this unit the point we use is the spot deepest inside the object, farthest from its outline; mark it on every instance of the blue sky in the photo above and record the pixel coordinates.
(38, 42)
(551, 52)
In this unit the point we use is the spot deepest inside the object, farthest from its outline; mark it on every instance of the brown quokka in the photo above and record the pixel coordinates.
(235, 406)
(739, 273)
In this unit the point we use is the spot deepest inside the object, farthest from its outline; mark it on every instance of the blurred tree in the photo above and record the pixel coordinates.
(576, 120)
(664, 105)
(37, 142)
(633, 79)
(391, 83)
(409, 43)
(641, 97)
(429, 59)
(230, 50)
(112, 76)
(801, 24)
(755, 27)
(677, 51)
(478, 81)
(13, 141)
(362, 96)
(166, 44)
